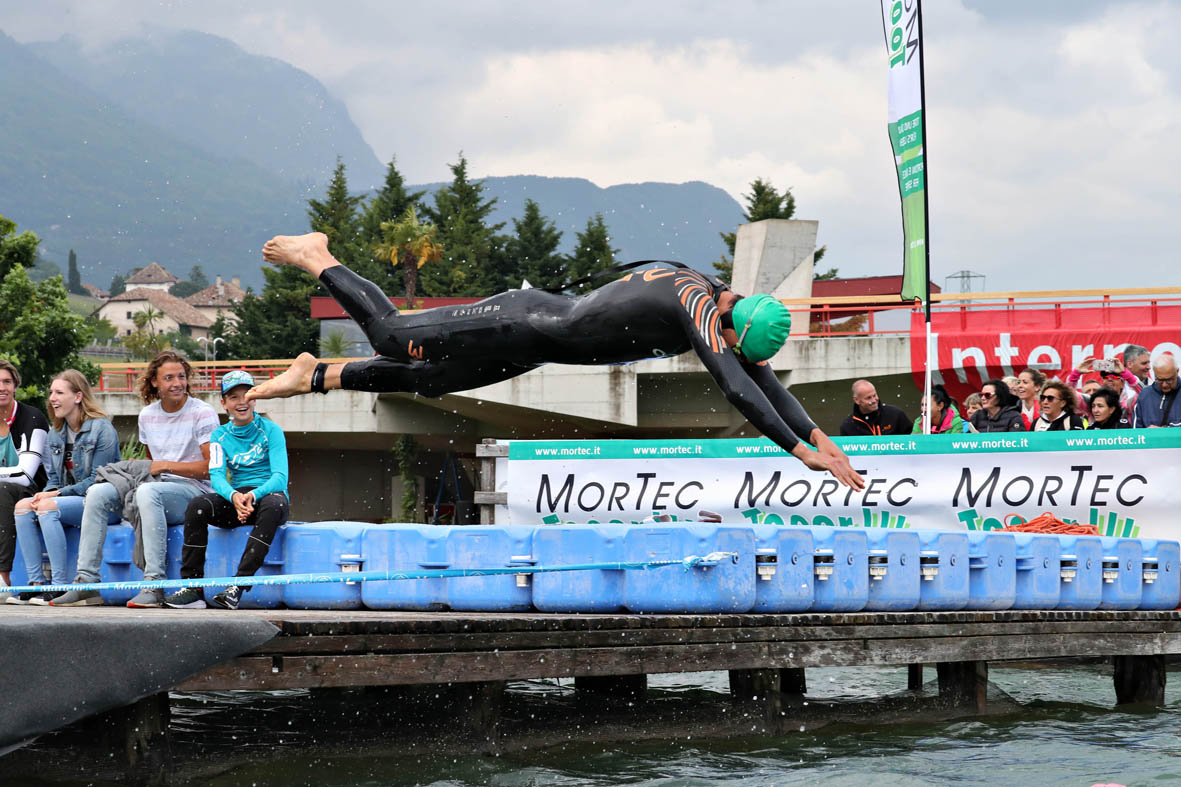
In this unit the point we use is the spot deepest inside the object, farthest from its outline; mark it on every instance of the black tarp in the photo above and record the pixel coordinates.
(58, 669)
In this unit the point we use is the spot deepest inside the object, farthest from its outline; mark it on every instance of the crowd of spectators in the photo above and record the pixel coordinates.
(1129, 391)
(67, 470)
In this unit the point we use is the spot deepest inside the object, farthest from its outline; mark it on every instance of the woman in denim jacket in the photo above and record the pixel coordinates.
(82, 440)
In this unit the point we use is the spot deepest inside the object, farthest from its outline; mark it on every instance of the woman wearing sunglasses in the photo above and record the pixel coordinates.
(1056, 402)
(1001, 412)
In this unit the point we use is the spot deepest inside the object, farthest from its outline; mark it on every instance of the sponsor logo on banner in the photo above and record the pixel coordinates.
(1117, 480)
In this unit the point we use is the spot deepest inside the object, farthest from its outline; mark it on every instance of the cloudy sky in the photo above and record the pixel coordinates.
(1053, 126)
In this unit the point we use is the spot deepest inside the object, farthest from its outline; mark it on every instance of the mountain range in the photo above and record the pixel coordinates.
(182, 148)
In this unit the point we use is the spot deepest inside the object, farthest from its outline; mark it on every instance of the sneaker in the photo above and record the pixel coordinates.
(23, 598)
(228, 598)
(77, 598)
(186, 598)
(147, 599)
(43, 599)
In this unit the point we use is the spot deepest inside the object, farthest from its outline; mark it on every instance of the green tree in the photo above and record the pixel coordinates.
(275, 324)
(334, 345)
(197, 276)
(533, 249)
(388, 204)
(146, 341)
(473, 262)
(763, 202)
(411, 244)
(118, 285)
(101, 329)
(592, 253)
(336, 216)
(16, 251)
(74, 284)
(39, 333)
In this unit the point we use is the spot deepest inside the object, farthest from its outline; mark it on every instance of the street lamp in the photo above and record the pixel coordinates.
(207, 343)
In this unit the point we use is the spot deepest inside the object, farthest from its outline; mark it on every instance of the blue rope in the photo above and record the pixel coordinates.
(693, 561)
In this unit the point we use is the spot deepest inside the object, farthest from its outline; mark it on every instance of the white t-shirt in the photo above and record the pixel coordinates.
(178, 437)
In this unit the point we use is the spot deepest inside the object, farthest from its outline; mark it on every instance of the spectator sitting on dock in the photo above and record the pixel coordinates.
(1057, 401)
(23, 431)
(252, 452)
(871, 417)
(174, 427)
(1157, 404)
(81, 441)
(1106, 412)
(971, 405)
(1001, 412)
(1138, 361)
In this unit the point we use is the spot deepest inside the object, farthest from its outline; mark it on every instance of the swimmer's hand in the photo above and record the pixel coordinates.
(829, 457)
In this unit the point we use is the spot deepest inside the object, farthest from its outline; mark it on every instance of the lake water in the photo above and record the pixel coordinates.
(1064, 732)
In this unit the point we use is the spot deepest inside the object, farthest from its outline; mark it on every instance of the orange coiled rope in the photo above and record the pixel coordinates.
(1048, 523)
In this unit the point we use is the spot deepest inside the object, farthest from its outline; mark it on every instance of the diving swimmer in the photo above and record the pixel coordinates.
(653, 312)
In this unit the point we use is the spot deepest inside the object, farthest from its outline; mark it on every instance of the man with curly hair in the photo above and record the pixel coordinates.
(175, 428)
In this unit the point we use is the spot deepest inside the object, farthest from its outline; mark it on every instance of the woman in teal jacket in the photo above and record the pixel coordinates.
(81, 441)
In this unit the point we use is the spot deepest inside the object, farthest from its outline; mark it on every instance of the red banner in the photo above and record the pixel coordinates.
(978, 342)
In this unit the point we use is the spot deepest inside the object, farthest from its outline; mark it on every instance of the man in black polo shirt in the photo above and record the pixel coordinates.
(872, 418)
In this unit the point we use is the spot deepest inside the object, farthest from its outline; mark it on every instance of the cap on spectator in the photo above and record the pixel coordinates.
(235, 378)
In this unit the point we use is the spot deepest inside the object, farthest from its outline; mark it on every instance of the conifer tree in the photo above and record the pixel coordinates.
(336, 216)
(388, 204)
(73, 276)
(592, 253)
(533, 249)
(275, 324)
(118, 285)
(473, 263)
(763, 202)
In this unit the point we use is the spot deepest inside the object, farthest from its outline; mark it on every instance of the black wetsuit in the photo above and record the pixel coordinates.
(652, 313)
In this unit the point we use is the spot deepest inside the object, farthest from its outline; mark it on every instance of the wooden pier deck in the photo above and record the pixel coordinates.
(471, 656)
(335, 649)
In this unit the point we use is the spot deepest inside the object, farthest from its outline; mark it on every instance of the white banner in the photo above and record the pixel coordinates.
(1120, 480)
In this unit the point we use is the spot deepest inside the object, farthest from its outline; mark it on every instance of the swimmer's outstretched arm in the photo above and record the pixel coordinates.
(750, 400)
(792, 412)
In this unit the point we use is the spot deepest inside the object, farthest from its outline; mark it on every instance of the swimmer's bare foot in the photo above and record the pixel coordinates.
(293, 382)
(306, 252)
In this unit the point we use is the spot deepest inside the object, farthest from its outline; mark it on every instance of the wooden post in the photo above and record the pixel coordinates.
(486, 497)
(793, 682)
(914, 677)
(963, 683)
(631, 687)
(136, 735)
(479, 705)
(758, 686)
(1139, 679)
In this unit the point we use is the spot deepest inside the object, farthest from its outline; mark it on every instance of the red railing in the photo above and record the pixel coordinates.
(124, 377)
(883, 316)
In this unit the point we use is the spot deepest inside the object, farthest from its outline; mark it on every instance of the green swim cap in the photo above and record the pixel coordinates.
(762, 324)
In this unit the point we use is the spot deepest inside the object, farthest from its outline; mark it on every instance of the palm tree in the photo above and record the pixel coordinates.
(411, 243)
(147, 319)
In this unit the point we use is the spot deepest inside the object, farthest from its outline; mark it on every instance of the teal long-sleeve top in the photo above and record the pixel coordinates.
(254, 455)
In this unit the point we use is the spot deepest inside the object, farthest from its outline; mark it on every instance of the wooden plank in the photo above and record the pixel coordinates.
(392, 643)
(491, 449)
(261, 672)
(483, 498)
(963, 683)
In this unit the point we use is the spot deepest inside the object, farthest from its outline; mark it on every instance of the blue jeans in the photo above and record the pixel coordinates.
(69, 512)
(161, 503)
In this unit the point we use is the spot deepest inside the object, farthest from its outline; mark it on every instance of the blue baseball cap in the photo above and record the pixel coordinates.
(235, 378)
